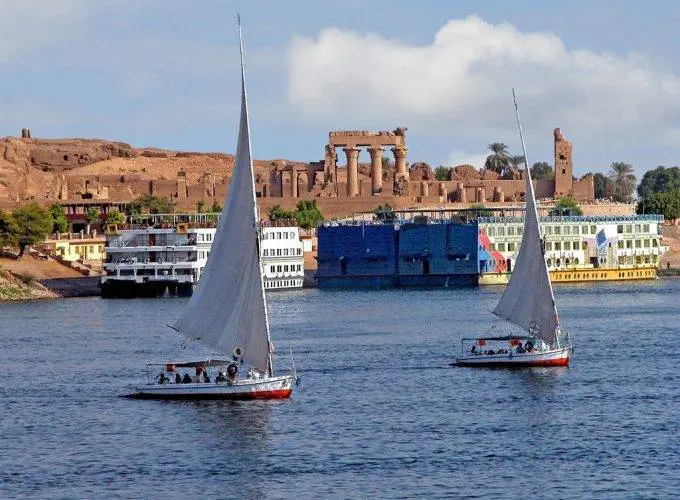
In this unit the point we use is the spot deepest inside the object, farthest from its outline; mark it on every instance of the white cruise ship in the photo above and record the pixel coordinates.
(167, 253)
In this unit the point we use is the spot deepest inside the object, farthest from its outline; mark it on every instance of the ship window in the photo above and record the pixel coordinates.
(548, 263)
(501, 231)
(492, 231)
(558, 230)
(619, 229)
(584, 245)
(285, 235)
(299, 251)
(558, 246)
(645, 228)
(584, 230)
(646, 243)
(278, 235)
(629, 244)
(638, 244)
(285, 251)
(547, 230)
(576, 230)
(278, 252)
(278, 269)
(292, 234)
(511, 247)
(501, 247)
(620, 244)
(637, 228)
(265, 252)
(511, 231)
(520, 231)
(567, 229)
(285, 269)
(655, 243)
(576, 260)
(548, 245)
(593, 229)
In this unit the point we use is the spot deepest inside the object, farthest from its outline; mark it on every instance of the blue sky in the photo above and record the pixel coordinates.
(165, 73)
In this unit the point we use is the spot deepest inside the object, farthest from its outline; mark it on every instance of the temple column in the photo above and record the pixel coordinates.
(352, 171)
(376, 153)
(293, 184)
(400, 162)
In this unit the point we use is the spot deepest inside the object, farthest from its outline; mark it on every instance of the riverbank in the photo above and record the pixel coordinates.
(13, 287)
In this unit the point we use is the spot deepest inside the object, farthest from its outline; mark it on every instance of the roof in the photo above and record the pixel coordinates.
(193, 364)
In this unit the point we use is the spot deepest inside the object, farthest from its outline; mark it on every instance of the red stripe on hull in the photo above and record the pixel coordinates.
(514, 364)
(277, 394)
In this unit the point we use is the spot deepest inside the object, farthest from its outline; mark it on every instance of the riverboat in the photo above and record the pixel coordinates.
(168, 252)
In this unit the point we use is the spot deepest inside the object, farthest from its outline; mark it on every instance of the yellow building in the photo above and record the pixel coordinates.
(76, 248)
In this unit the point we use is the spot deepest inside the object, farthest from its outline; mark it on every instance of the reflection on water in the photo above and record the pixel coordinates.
(380, 412)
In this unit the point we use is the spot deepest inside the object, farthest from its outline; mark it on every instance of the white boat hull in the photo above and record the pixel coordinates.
(263, 388)
(545, 358)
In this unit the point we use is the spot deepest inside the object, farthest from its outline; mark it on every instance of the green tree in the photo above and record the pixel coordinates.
(499, 160)
(542, 170)
(279, 214)
(34, 223)
(9, 231)
(113, 216)
(307, 214)
(216, 208)
(665, 203)
(480, 210)
(147, 204)
(59, 221)
(517, 160)
(622, 181)
(442, 173)
(200, 206)
(566, 205)
(384, 213)
(386, 162)
(92, 216)
(659, 180)
(602, 187)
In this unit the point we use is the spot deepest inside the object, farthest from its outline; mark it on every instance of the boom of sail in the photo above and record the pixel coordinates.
(528, 300)
(228, 312)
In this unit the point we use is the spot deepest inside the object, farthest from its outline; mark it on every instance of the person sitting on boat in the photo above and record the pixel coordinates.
(162, 379)
(206, 377)
(220, 377)
(186, 379)
(529, 346)
(198, 378)
(474, 349)
(520, 349)
(178, 378)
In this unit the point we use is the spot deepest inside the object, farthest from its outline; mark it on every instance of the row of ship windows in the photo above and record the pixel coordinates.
(566, 229)
(285, 269)
(278, 252)
(282, 284)
(278, 235)
(574, 245)
(205, 237)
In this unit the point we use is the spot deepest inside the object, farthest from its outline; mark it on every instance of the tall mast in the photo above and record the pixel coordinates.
(530, 187)
(252, 185)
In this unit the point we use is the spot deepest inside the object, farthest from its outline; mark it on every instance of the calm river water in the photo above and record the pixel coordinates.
(379, 412)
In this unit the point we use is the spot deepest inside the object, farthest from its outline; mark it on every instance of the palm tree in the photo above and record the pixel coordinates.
(499, 160)
(517, 160)
(621, 181)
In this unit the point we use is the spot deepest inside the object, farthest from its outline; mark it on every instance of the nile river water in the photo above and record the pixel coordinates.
(380, 413)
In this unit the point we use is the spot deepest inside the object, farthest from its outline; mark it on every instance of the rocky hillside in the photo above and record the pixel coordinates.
(52, 169)
(14, 287)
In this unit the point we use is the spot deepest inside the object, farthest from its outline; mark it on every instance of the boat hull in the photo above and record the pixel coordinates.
(268, 388)
(553, 357)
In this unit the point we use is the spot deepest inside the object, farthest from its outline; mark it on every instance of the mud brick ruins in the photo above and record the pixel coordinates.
(78, 173)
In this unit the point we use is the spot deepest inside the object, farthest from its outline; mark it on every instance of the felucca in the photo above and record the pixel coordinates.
(228, 311)
(528, 302)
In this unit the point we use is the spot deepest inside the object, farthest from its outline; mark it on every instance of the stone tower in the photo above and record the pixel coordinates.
(564, 181)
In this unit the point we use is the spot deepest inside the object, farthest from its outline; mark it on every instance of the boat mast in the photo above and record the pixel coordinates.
(258, 231)
(531, 187)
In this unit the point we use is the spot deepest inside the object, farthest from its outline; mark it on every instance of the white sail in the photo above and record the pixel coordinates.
(228, 310)
(528, 299)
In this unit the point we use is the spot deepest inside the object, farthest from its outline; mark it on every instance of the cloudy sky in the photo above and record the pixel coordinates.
(165, 73)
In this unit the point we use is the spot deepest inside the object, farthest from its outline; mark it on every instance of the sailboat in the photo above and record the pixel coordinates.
(528, 302)
(228, 311)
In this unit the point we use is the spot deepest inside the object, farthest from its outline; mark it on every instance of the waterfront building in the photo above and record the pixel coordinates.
(168, 253)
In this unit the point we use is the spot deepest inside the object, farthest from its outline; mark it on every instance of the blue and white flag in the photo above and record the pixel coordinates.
(601, 240)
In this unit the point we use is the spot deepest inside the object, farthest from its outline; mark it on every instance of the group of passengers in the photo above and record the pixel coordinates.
(201, 376)
(521, 349)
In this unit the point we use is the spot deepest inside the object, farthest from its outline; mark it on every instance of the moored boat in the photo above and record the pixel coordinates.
(228, 311)
(528, 302)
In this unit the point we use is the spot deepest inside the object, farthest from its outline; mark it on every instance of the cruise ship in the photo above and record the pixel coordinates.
(166, 254)
(577, 248)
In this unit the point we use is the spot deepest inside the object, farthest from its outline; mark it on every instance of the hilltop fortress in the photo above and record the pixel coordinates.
(82, 172)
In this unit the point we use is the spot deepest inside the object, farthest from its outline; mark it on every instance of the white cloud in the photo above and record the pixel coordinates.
(458, 157)
(460, 84)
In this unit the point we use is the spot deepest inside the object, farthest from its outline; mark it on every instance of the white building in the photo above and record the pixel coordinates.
(148, 259)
